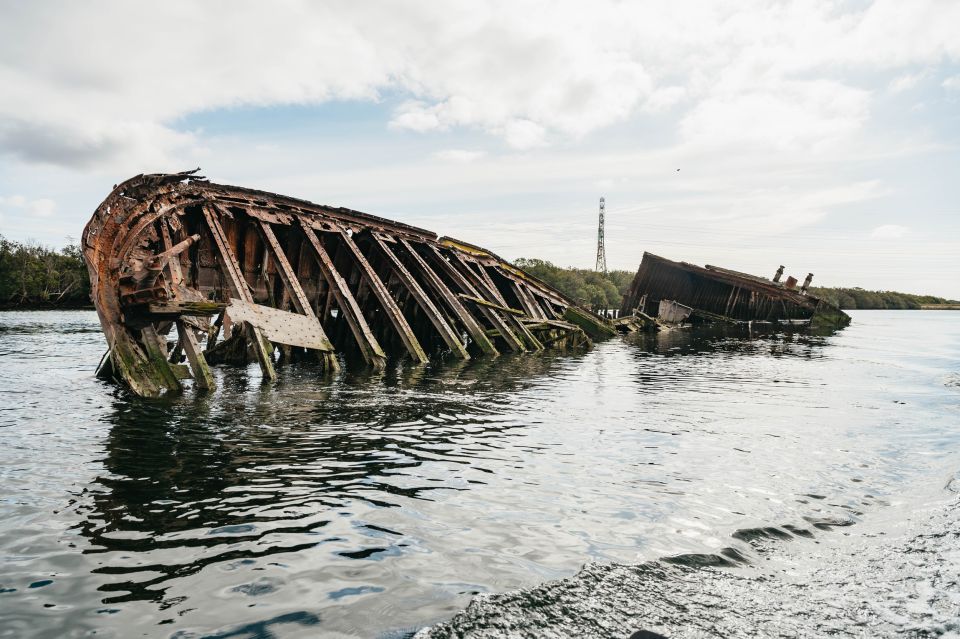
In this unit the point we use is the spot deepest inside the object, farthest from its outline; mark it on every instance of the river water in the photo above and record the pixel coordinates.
(374, 505)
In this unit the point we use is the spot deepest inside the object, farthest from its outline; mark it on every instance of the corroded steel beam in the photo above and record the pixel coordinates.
(171, 250)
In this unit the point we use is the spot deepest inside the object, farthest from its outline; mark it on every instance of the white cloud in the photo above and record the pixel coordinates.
(664, 99)
(905, 82)
(524, 134)
(462, 156)
(889, 232)
(101, 92)
(952, 83)
(791, 115)
(417, 116)
(41, 207)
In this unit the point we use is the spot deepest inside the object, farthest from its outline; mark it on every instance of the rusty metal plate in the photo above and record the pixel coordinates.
(279, 326)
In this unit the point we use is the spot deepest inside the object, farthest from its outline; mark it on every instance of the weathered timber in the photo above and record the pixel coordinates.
(463, 281)
(281, 327)
(721, 295)
(433, 314)
(294, 293)
(399, 322)
(369, 347)
(594, 326)
(440, 289)
(175, 250)
(239, 286)
(198, 364)
(482, 282)
(178, 308)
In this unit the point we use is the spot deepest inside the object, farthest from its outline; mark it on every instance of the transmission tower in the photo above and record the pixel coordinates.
(601, 251)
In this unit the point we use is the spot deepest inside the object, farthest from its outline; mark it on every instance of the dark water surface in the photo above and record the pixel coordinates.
(373, 505)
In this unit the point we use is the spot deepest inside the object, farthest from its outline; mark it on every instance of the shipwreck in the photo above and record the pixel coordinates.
(186, 273)
(678, 292)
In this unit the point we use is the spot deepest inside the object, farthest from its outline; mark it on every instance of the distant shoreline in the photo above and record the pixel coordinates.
(77, 306)
(65, 306)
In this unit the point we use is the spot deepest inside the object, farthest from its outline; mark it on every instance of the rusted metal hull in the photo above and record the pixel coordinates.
(245, 275)
(721, 295)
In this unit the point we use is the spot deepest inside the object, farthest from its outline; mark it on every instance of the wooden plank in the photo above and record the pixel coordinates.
(497, 295)
(297, 296)
(289, 278)
(526, 299)
(337, 287)
(198, 363)
(474, 329)
(590, 323)
(238, 285)
(156, 348)
(174, 307)
(493, 316)
(502, 309)
(279, 326)
(489, 291)
(450, 338)
(379, 289)
(173, 265)
(182, 371)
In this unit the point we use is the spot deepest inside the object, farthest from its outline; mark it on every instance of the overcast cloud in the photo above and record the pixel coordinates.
(794, 124)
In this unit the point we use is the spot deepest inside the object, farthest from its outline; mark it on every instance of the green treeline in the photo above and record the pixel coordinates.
(33, 276)
(597, 290)
(852, 298)
(593, 289)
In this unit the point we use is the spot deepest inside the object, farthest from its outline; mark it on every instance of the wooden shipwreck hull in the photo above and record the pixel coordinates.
(714, 294)
(246, 275)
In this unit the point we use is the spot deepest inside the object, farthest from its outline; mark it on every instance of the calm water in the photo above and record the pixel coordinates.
(372, 505)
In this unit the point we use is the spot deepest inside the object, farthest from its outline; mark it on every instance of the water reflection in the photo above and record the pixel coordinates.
(375, 502)
(254, 472)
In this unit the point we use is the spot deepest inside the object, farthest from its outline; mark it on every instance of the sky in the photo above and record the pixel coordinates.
(818, 135)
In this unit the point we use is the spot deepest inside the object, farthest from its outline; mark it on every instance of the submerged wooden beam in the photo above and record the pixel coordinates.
(369, 346)
(383, 296)
(449, 337)
(298, 297)
(469, 321)
(467, 287)
(231, 270)
(198, 364)
(488, 289)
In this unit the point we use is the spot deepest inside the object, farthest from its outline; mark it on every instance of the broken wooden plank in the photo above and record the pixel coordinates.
(198, 364)
(296, 294)
(369, 346)
(594, 326)
(289, 278)
(231, 270)
(450, 338)
(175, 307)
(461, 280)
(489, 290)
(469, 322)
(156, 347)
(497, 307)
(279, 326)
(176, 273)
(530, 305)
(389, 305)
